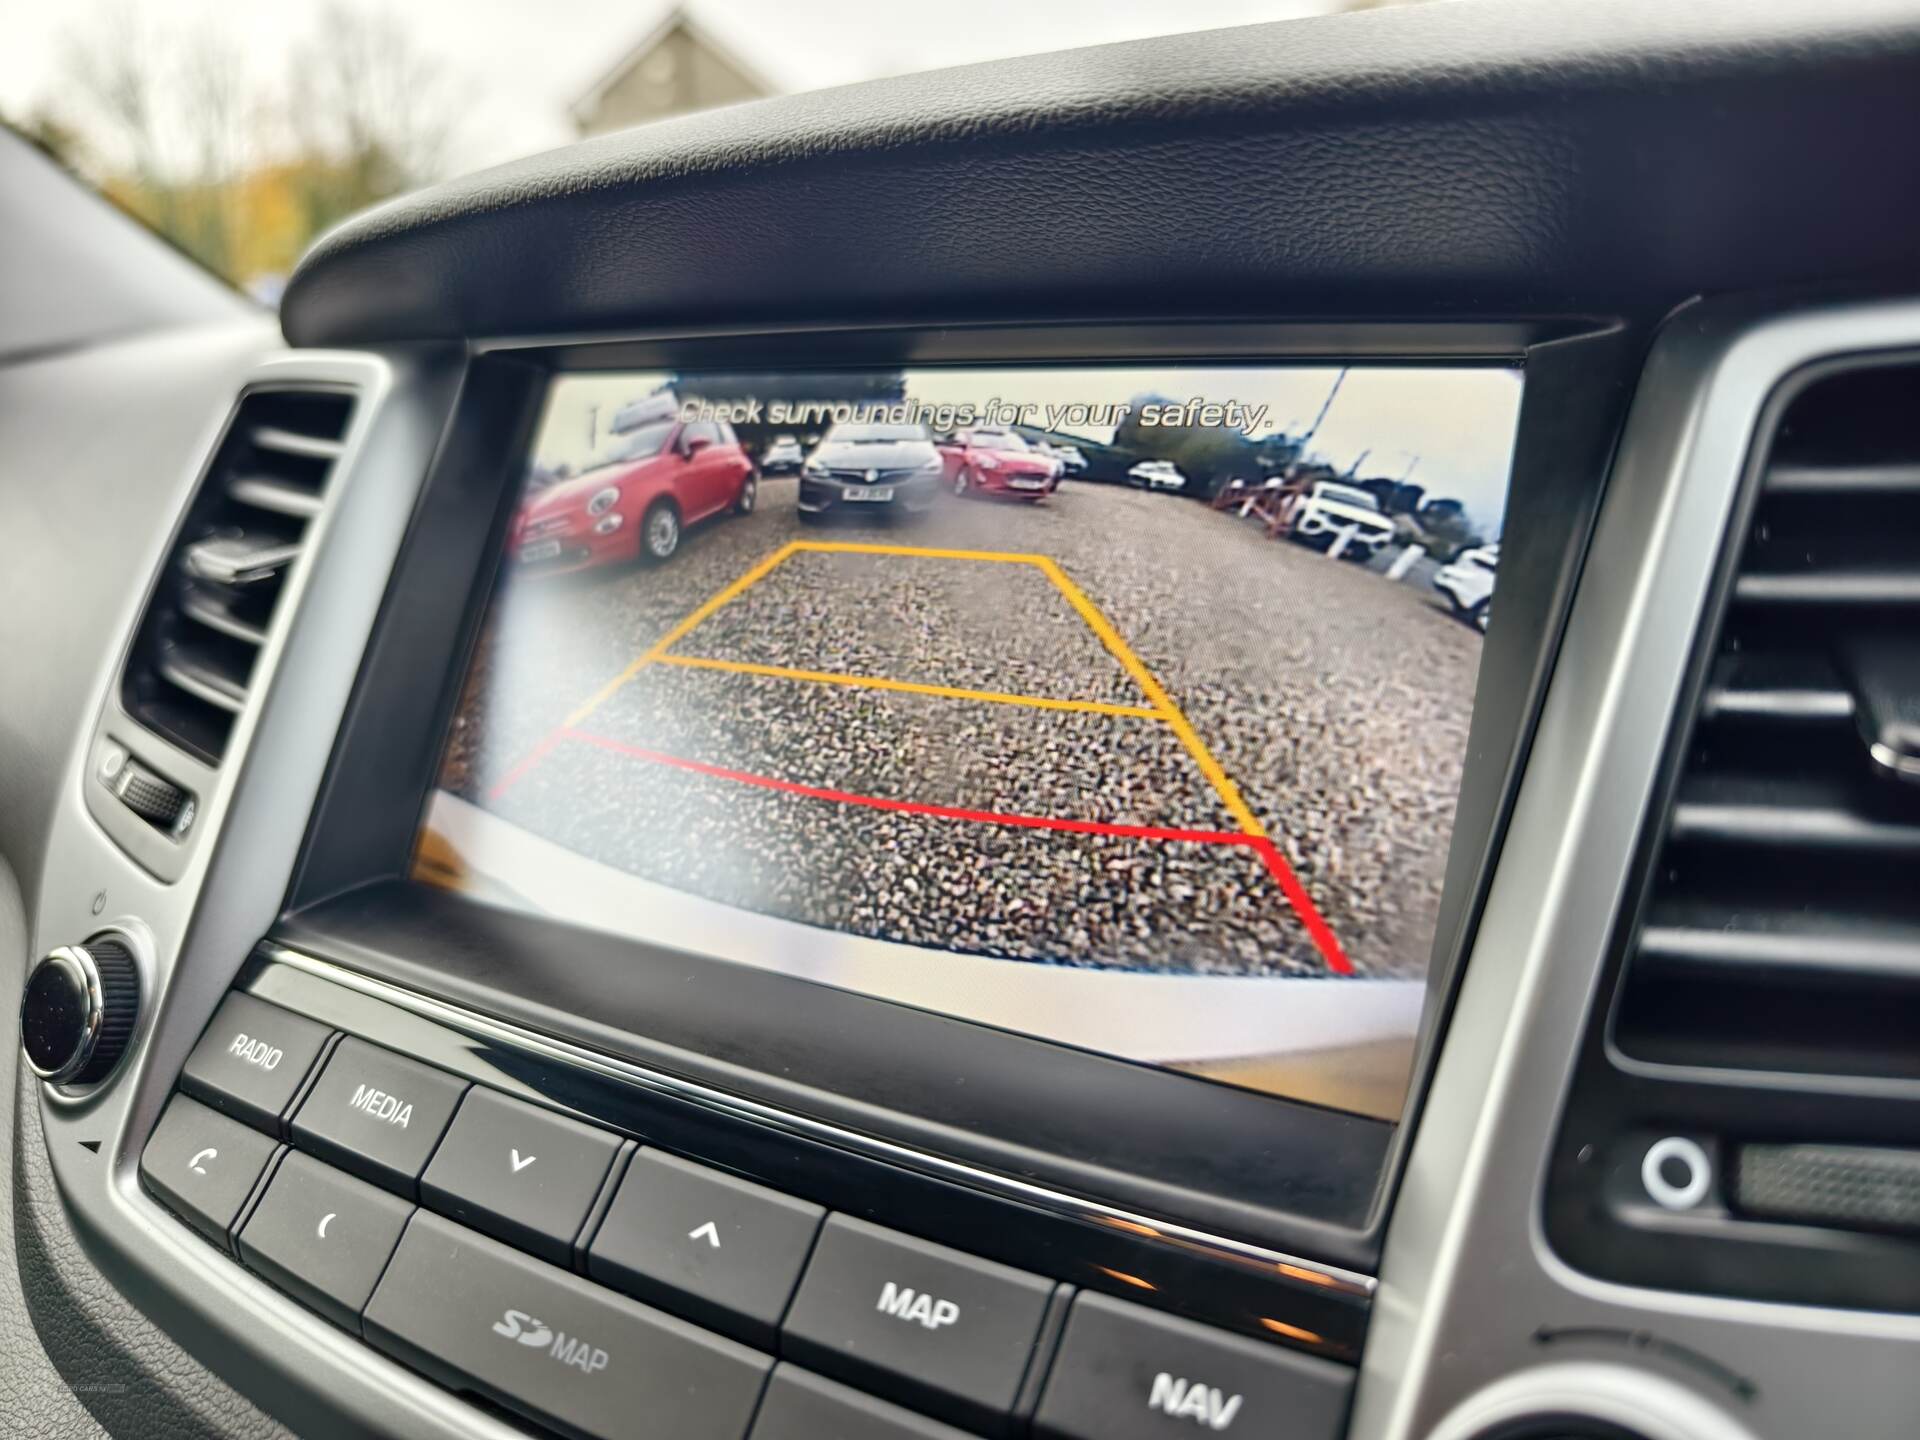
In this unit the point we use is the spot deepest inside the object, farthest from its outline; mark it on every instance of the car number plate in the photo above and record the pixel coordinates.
(538, 551)
(883, 492)
(1028, 484)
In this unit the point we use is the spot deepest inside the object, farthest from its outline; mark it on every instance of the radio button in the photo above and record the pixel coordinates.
(802, 1406)
(377, 1114)
(935, 1328)
(251, 1059)
(476, 1315)
(323, 1236)
(719, 1250)
(203, 1165)
(522, 1174)
(1125, 1373)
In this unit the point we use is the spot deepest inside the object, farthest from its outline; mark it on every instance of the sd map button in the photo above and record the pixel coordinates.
(935, 1328)
(476, 1315)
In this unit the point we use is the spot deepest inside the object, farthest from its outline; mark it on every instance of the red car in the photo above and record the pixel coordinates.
(998, 463)
(636, 498)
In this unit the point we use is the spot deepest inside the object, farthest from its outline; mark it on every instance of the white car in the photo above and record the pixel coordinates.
(1331, 510)
(1072, 461)
(783, 455)
(1468, 583)
(1158, 475)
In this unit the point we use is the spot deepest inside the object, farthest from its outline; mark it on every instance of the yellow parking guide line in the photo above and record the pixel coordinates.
(1162, 702)
(680, 632)
(911, 687)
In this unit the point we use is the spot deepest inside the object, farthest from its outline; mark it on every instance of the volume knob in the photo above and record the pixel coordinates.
(78, 1011)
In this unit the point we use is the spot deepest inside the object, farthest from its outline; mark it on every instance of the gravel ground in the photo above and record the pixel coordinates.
(1338, 701)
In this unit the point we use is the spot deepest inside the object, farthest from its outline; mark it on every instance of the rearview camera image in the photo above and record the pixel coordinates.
(1121, 707)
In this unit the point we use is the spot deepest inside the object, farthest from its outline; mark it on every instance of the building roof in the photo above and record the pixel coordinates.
(675, 17)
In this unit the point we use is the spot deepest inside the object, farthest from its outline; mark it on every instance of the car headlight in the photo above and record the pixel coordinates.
(931, 467)
(603, 501)
(815, 469)
(987, 462)
(607, 524)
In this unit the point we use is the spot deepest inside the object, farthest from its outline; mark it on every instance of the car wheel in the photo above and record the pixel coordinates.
(660, 531)
(960, 481)
(749, 495)
(1477, 617)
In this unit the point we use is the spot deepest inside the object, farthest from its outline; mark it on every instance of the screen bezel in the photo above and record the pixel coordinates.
(1240, 1162)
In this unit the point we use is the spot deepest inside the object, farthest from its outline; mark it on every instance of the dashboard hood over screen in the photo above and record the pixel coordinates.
(1633, 154)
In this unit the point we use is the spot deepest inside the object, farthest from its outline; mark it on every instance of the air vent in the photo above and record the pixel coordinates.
(1782, 926)
(194, 655)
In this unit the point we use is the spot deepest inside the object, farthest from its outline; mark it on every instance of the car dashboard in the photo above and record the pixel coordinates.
(636, 822)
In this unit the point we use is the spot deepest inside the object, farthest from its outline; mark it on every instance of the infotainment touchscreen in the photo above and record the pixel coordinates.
(1121, 707)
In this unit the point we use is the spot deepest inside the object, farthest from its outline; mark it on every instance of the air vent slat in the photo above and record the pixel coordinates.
(191, 668)
(1841, 480)
(287, 442)
(1781, 925)
(1830, 587)
(273, 497)
(204, 682)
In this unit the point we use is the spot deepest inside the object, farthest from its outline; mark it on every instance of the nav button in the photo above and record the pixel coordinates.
(1126, 1373)
(719, 1250)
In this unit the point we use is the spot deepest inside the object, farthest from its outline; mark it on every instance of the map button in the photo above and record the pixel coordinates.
(933, 1328)
(720, 1250)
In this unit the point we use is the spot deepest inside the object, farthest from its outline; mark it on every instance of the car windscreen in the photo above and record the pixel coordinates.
(875, 434)
(1346, 495)
(998, 440)
(641, 444)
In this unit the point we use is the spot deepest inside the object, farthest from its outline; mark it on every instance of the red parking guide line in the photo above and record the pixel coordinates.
(905, 807)
(1276, 865)
(526, 762)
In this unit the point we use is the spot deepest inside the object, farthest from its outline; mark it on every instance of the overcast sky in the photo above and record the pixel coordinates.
(1453, 427)
(519, 64)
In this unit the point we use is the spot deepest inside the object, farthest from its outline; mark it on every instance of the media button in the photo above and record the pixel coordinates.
(1127, 1373)
(203, 1165)
(935, 1328)
(522, 1174)
(707, 1245)
(251, 1059)
(478, 1316)
(323, 1237)
(377, 1114)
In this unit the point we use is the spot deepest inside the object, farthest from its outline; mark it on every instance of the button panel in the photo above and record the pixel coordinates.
(937, 1328)
(751, 1284)
(377, 1114)
(554, 1346)
(706, 1245)
(252, 1059)
(518, 1172)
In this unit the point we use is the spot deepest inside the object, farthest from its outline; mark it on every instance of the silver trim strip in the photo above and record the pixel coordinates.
(1287, 1268)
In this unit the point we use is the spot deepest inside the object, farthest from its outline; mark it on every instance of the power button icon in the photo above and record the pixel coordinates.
(1676, 1173)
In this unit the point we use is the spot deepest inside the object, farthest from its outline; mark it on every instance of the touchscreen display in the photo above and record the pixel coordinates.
(1121, 707)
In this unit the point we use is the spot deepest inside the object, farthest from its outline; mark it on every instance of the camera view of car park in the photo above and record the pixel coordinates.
(1126, 708)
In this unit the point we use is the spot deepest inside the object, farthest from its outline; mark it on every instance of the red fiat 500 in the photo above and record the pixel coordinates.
(636, 498)
(998, 463)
